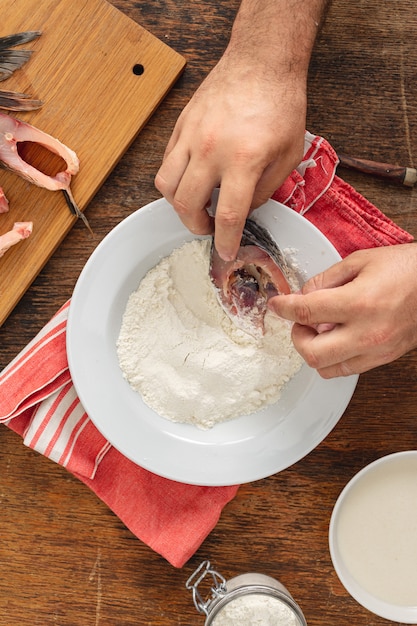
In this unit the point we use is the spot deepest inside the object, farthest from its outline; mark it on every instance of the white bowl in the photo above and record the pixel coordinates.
(373, 537)
(241, 450)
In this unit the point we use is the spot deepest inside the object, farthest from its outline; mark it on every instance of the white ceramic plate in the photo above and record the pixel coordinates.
(241, 450)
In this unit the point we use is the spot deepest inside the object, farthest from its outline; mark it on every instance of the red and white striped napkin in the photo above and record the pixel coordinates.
(58, 427)
(38, 399)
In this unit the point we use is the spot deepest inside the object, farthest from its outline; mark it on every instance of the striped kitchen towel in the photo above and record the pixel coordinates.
(39, 402)
(58, 427)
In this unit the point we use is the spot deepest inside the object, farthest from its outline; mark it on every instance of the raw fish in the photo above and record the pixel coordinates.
(20, 231)
(258, 273)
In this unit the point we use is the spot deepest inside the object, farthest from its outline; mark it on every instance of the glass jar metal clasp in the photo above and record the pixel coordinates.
(217, 588)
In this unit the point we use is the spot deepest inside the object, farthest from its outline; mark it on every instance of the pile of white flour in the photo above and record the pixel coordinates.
(184, 355)
(256, 610)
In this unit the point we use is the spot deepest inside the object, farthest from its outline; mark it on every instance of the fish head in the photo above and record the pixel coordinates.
(245, 285)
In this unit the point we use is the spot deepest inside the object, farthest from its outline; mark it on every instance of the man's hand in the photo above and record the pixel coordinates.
(243, 130)
(239, 131)
(357, 315)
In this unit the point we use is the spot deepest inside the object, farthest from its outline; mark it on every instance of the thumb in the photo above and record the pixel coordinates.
(337, 275)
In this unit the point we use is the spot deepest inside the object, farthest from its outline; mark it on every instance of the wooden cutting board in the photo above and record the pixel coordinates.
(100, 75)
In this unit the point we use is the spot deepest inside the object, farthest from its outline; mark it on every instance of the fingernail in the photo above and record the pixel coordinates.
(324, 327)
(226, 257)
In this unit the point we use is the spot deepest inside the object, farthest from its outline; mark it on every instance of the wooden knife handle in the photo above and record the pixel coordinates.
(396, 173)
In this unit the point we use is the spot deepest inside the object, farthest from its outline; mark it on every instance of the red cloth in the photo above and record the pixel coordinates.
(38, 400)
(347, 219)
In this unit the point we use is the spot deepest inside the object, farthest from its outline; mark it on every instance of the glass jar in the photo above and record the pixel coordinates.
(243, 600)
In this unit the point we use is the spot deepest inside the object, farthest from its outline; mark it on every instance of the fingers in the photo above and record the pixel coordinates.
(337, 275)
(357, 315)
(244, 143)
(355, 365)
(273, 176)
(323, 306)
(233, 207)
(170, 173)
(323, 332)
(188, 193)
(187, 183)
(322, 350)
(276, 172)
(331, 297)
(339, 351)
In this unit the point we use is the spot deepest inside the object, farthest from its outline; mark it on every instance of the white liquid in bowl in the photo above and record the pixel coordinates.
(374, 532)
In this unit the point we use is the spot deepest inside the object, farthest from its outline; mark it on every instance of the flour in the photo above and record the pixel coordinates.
(256, 610)
(184, 355)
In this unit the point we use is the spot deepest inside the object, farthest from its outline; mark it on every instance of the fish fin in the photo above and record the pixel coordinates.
(73, 207)
(11, 60)
(13, 101)
(17, 39)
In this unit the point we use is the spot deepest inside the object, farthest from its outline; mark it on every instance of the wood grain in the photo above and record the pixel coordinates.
(84, 70)
(65, 559)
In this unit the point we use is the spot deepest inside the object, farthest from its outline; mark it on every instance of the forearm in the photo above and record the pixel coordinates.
(277, 35)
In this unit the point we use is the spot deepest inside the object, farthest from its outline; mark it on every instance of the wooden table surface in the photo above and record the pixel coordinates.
(65, 559)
